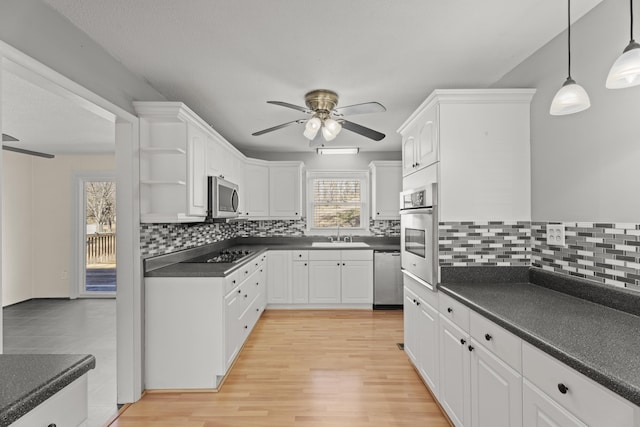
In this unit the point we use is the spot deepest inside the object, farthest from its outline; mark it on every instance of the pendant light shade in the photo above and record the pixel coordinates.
(571, 98)
(625, 72)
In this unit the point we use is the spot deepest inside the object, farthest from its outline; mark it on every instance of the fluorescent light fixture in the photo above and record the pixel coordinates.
(348, 150)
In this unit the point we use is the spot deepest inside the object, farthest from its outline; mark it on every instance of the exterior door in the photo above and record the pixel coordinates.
(97, 236)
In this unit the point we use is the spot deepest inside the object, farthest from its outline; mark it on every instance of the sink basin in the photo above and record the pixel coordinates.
(339, 245)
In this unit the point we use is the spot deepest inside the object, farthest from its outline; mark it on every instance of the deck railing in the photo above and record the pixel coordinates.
(101, 248)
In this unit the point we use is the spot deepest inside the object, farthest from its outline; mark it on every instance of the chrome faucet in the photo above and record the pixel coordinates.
(338, 236)
(348, 239)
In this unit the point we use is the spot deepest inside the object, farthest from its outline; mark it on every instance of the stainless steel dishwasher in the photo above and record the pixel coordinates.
(387, 280)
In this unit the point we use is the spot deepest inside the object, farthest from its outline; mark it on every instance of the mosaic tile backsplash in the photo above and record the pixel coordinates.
(484, 243)
(160, 239)
(607, 253)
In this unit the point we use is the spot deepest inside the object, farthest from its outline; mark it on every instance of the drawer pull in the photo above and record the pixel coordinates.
(246, 326)
(257, 309)
(563, 388)
(488, 337)
(470, 348)
(338, 264)
(305, 264)
(233, 281)
(257, 283)
(417, 302)
(239, 291)
(246, 272)
(449, 310)
(463, 341)
(299, 255)
(245, 295)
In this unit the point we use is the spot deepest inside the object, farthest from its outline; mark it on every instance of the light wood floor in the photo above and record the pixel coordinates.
(307, 368)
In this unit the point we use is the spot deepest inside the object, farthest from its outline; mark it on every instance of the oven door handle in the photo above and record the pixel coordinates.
(419, 280)
(416, 211)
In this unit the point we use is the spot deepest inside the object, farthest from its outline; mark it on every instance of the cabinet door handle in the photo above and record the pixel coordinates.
(257, 283)
(449, 309)
(245, 295)
(299, 255)
(563, 388)
(296, 213)
(246, 326)
(488, 337)
(338, 264)
(470, 348)
(463, 341)
(417, 302)
(233, 281)
(239, 291)
(344, 263)
(305, 264)
(257, 309)
(414, 301)
(377, 213)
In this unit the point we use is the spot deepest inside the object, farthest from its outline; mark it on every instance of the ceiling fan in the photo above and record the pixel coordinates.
(9, 138)
(326, 118)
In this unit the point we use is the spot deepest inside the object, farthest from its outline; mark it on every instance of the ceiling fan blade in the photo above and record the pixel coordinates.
(294, 107)
(284, 125)
(8, 138)
(364, 108)
(28, 152)
(361, 130)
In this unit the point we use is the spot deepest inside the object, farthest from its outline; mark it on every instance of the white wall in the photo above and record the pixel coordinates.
(584, 166)
(17, 242)
(316, 161)
(37, 30)
(37, 223)
(52, 218)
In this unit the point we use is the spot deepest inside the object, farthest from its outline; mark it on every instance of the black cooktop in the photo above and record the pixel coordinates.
(228, 256)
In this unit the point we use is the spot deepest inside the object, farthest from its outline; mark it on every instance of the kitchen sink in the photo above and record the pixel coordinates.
(339, 245)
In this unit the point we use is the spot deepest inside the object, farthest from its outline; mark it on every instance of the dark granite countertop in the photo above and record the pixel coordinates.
(27, 380)
(174, 265)
(600, 342)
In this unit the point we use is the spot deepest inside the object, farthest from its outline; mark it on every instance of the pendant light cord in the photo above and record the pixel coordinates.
(631, 13)
(569, 36)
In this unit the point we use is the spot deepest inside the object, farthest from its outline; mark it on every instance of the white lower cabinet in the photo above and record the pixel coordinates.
(300, 282)
(455, 378)
(196, 326)
(496, 390)
(314, 278)
(539, 410)
(421, 333)
(68, 407)
(324, 282)
(489, 377)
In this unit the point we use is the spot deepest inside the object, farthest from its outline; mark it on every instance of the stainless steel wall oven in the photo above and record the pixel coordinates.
(419, 234)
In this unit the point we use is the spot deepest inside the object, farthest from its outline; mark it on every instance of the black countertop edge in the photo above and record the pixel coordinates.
(618, 298)
(30, 400)
(618, 385)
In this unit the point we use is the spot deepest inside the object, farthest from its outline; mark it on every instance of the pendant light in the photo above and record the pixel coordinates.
(571, 98)
(625, 72)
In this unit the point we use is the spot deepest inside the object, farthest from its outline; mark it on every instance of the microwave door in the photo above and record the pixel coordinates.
(226, 198)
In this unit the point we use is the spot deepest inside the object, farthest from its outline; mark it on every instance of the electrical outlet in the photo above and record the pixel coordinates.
(555, 234)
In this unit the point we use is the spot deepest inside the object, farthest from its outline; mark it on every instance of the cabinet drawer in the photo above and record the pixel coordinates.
(587, 400)
(454, 311)
(424, 293)
(357, 255)
(68, 407)
(323, 255)
(232, 281)
(300, 255)
(500, 342)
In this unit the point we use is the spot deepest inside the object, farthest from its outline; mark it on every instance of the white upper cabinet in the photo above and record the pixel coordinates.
(178, 150)
(285, 190)
(386, 185)
(256, 189)
(479, 139)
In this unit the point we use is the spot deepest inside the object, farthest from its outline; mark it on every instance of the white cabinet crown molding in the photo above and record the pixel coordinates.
(468, 96)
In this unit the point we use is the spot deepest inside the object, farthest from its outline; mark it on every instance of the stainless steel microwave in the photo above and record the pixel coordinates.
(223, 198)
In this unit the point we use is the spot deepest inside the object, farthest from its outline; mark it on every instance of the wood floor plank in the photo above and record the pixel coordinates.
(311, 368)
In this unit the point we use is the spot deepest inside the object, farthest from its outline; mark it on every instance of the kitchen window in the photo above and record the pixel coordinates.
(338, 200)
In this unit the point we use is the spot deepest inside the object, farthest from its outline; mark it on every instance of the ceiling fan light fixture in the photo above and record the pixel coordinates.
(332, 126)
(347, 150)
(327, 135)
(312, 127)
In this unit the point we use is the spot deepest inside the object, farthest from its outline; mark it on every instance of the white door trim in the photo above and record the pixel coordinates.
(129, 299)
(78, 276)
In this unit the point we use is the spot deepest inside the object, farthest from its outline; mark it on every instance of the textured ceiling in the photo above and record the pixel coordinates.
(46, 122)
(225, 58)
